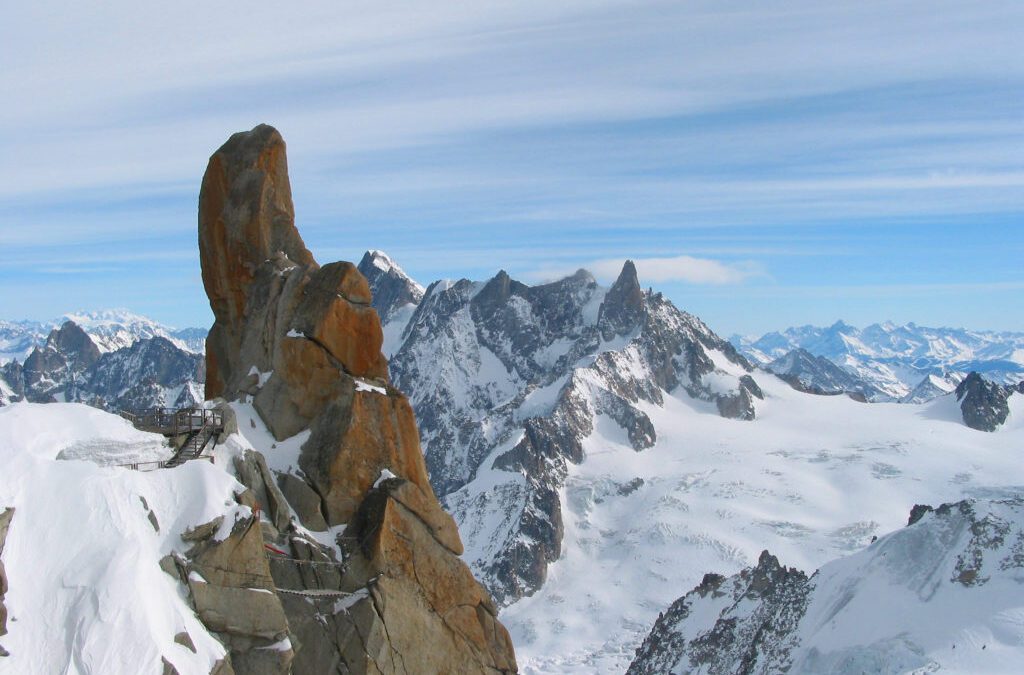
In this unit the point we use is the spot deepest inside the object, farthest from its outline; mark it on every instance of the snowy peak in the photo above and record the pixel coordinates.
(931, 387)
(19, 338)
(391, 287)
(894, 358)
(113, 329)
(817, 375)
(932, 596)
(109, 330)
(509, 380)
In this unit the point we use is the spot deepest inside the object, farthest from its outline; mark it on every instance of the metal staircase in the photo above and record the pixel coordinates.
(199, 426)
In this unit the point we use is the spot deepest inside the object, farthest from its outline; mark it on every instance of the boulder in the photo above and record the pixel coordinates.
(304, 501)
(252, 471)
(234, 595)
(238, 560)
(239, 611)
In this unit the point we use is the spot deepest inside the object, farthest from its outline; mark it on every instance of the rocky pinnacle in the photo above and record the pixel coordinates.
(303, 344)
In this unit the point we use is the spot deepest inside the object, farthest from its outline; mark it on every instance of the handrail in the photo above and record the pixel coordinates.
(173, 422)
(200, 424)
(154, 465)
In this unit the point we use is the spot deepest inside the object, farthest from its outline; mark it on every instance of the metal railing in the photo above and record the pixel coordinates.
(171, 422)
(200, 425)
(161, 464)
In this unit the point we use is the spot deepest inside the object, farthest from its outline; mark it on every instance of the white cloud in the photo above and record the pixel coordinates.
(680, 268)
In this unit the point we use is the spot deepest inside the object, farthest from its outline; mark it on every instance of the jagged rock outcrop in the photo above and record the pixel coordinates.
(983, 403)
(232, 591)
(755, 614)
(623, 306)
(928, 597)
(508, 381)
(61, 362)
(303, 343)
(5, 522)
(150, 373)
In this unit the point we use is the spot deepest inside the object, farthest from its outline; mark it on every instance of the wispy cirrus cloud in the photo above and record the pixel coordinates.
(539, 133)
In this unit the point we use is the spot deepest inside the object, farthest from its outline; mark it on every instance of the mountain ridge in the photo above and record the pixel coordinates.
(896, 359)
(110, 329)
(596, 506)
(929, 596)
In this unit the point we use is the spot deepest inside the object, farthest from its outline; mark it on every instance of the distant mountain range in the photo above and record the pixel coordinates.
(908, 363)
(110, 359)
(109, 330)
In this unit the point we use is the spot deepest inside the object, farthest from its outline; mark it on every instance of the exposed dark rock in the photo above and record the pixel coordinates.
(631, 487)
(983, 403)
(918, 512)
(185, 640)
(623, 306)
(742, 640)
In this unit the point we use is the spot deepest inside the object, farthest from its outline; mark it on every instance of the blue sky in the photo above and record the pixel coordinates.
(766, 164)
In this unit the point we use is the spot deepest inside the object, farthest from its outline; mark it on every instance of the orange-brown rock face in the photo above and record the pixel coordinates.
(302, 343)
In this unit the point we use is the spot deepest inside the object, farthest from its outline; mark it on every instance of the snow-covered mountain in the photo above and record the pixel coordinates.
(507, 380)
(818, 375)
(931, 387)
(109, 329)
(19, 338)
(897, 359)
(942, 594)
(395, 296)
(597, 474)
(69, 366)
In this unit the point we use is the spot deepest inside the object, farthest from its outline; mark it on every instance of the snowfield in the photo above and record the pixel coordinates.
(812, 479)
(87, 594)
